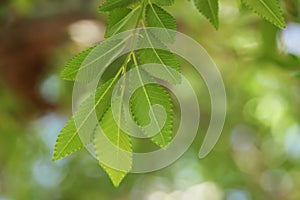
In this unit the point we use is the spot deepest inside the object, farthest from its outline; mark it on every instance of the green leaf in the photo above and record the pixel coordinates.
(89, 65)
(158, 17)
(210, 9)
(166, 60)
(121, 19)
(109, 5)
(164, 2)
(268, 9)
(143, 112)
(120, 156)
(160, 56)
(153, 50)
(72, 67)
(68, 140)
(113, 69)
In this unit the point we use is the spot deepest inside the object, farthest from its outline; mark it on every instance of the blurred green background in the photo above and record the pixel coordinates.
(257, 156)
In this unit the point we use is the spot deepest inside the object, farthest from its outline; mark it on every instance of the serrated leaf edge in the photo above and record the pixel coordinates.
(115, 182)
(171, 116)
(124, 21)
(62, 74)
(216, 25)
(60, 156)
(281, 24)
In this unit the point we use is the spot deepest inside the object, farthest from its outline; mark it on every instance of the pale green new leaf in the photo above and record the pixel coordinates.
(120, 156)
(158, 17)
(109, 5)
(121, 19)
(68, 140)
(141, 108)
(210, 9)
(268, 9)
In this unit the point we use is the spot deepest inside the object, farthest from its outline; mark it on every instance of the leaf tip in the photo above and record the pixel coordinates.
(64, 75)
(283, 24)
(117, 183)
(115, 176)
(216, 25)
(210, 10)
(55, 157)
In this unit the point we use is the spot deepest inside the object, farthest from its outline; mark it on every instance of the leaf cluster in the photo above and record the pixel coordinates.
(126, 15)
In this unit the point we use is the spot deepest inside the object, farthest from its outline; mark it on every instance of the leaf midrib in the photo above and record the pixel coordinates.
(107, 52)
(85, 119)
(156, 15)
(212, 11)
(270, 10)
(161, 61)
(150, 105)
(124, 20)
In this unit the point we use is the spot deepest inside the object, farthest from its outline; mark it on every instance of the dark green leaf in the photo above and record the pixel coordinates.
(158, 17)
(121, 19)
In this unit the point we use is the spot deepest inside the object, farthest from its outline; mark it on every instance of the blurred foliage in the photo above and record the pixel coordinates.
(257, 156)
